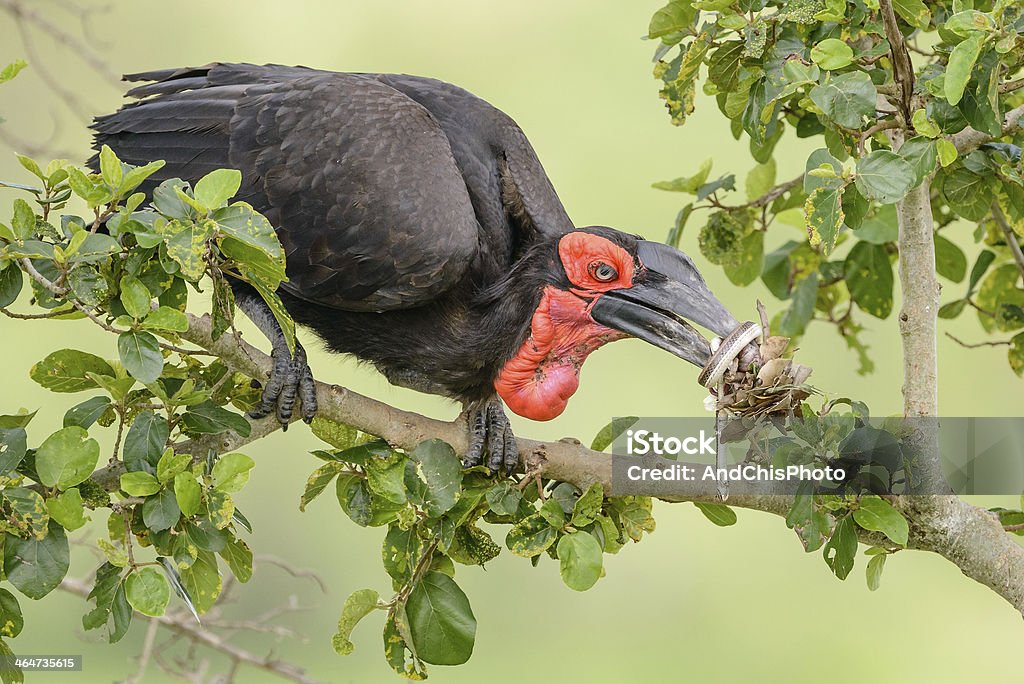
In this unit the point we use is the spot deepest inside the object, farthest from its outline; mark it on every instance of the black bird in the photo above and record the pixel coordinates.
(422, 235)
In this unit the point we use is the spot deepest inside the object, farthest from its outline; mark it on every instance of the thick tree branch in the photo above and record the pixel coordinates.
(969, 537)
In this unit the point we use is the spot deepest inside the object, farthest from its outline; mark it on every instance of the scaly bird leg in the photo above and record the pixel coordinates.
(290, 378)
(489, 426)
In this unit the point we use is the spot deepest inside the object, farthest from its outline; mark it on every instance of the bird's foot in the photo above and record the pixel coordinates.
(489, 427)
(290, 379)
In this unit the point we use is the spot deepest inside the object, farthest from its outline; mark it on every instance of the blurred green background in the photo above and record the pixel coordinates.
(693, 601)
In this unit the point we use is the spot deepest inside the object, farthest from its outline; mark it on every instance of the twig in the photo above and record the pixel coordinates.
(772, 194)
(1009, 235)
(903, 68)
(1010, 86)
(886, 125)
(997, 343)
(182, 624)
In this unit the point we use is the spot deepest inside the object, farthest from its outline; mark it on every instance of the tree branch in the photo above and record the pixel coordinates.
(183, 624)
(967, 536)
(970, 139)
(1009, 235)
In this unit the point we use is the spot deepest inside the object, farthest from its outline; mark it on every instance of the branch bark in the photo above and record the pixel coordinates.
(970, 139)
(968, 536)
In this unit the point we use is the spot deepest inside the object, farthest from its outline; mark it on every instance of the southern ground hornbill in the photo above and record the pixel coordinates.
(422, 235)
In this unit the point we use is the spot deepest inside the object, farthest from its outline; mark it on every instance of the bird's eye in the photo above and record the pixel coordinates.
(603, 272)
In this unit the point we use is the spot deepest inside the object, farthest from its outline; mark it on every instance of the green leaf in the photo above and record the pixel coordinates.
(961, 63)
(869, 278)
(531, 536)
(354, 498)
(744, 265)
(66, 458)
(139, 483)
(147, 591)
(166, 318)
(202, 581)
(209, 419)
(36, 566)
(921, 154)
(441, 622)
(832, 54)
(504, 497)
(140, 355)
(968, 194)
(121, 612)
(847, 99)
(108, 578)
(358, 605)
(841, 550)
(676, 16)
(231, 472)
(884, 176)
(400, 552)
(135, 297)
(823, 215)
(801, 310)
(88, 412)
(760, 180)
(914, 12)
(66, 370)
(952, 309)
(876, 514)
(723, 516)
(188, 493)
(241, 222)
(239, 558)
(24, 221)
(588, 506)
(145, 442)
(186, 245)
(441, 470)
(950, 262)
(160, 511)
(687, 184)
(12, 69)
(947, 152)
(281, 315)
(610, 432)
(11, 620)
(11, 282)
(217, 187)
(110, 167)
(681, 81)
(397, 651)
(1016, 354)
(12, 448)
(67, 509)
(579, 560)
(874, 570)
(924, 125)
(135, 175)
(28, 514)
(318, 481)
(170, 464)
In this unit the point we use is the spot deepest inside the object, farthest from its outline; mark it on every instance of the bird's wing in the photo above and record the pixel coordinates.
(358, 178)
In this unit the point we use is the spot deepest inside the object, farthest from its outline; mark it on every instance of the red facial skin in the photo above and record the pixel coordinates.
(538, 380)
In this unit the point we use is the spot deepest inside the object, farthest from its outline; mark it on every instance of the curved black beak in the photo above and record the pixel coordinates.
(668, 295)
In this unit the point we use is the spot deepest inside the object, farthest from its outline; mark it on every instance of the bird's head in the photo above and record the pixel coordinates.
(598, 285)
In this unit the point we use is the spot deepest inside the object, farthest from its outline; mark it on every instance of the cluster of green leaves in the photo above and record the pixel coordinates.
(823, 69)
(172, 519)
(827, 517)
(439, 515)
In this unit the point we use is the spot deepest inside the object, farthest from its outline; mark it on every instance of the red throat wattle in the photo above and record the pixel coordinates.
(538, 380)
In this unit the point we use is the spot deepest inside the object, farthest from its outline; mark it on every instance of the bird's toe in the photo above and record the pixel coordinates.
(290, 381)
(490, 432)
